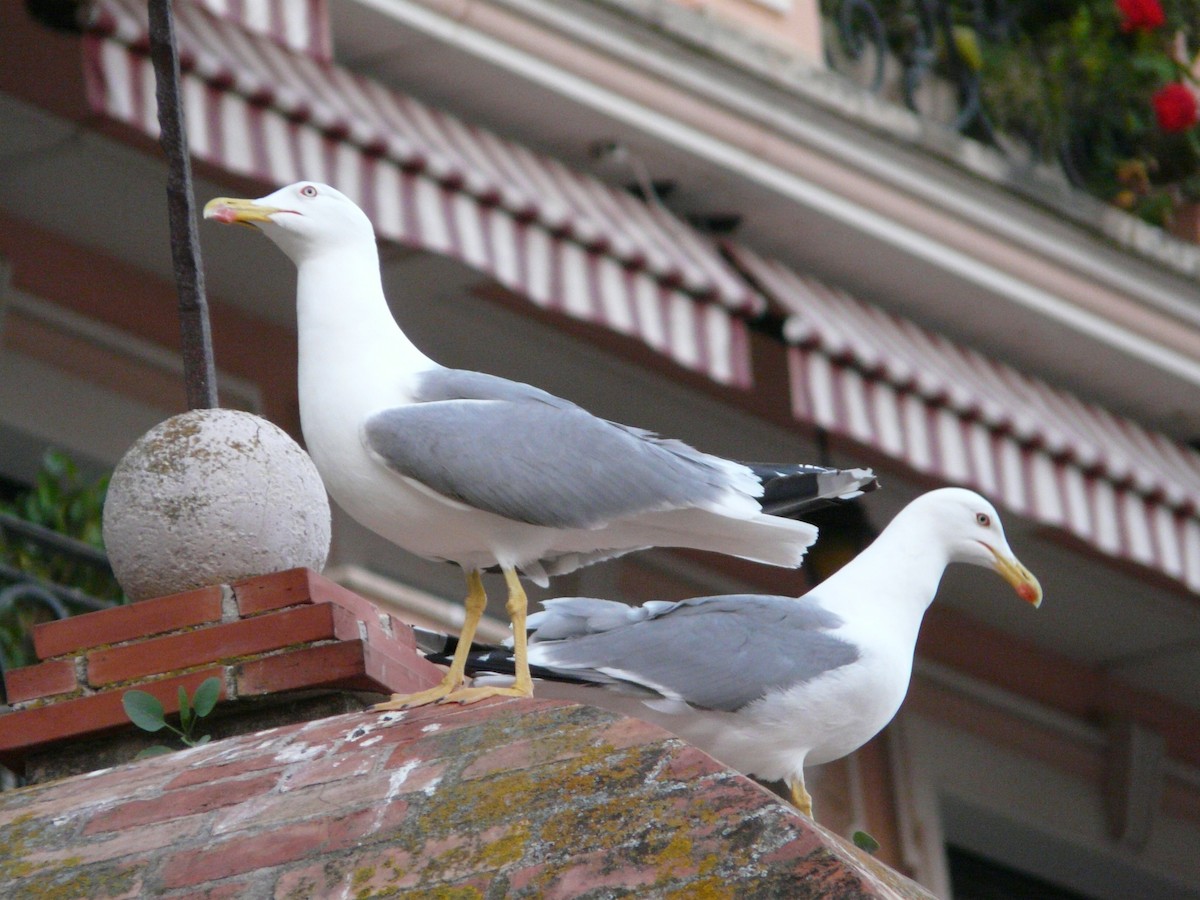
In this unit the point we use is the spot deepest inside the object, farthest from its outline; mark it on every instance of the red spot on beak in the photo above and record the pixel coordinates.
(1029, 594)
(226, 215)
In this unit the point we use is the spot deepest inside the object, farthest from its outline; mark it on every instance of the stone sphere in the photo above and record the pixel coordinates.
(209, 497)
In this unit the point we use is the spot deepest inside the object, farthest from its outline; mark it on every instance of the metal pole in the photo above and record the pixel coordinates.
(199, 374)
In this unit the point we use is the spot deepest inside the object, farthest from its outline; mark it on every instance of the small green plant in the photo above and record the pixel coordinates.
(865, 842)
(147, 713)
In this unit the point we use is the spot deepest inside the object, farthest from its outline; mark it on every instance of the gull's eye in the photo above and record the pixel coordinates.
(983, 519)
(308, 191)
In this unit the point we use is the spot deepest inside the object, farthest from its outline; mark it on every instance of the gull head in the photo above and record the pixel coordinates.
(304, 219)
(972, 533)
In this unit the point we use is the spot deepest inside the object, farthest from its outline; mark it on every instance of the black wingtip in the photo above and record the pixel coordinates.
(489, 659)
(794, 490)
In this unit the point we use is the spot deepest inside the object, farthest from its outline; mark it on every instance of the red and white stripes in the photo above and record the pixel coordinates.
(302, 25)
(572, 244)
(950, 412)
(564, 240)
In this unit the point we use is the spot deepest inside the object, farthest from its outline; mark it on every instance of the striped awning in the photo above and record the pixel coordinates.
(953, 413)
(564, 240)
(302, 25)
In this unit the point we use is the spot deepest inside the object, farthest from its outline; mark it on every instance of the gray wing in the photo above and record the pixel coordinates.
(524, 454)
(713, 652)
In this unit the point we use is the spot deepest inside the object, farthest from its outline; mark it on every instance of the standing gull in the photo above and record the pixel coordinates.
(767, 684)
(483, 472)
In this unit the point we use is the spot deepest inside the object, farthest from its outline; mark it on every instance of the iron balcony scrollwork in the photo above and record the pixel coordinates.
(916, 49)
(42, 598)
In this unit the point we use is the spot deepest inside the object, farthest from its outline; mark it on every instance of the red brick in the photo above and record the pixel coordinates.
(124, 623)
(247, 852)
(402, 633)
(184, 802)
(218, 642)
(43, 680)
(27, 729)
(592, 873)
(304, 586)
(388, 872)
(326, 591)
(112, 845)
(350, 727)
(235, 891)
(442, 868)
(206, 771)
(399, 669)
(291, 587)
(691, 764)
(376, 794)
(532, 752)
(326, 769)
(329, 665)
(68, 877)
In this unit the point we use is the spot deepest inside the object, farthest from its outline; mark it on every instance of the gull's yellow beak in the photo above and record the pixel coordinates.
(231, 211)
(1022, 580)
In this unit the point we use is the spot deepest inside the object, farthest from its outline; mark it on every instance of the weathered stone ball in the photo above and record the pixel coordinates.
(209, 497)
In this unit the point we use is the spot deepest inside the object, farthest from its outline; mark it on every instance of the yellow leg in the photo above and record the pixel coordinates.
(800, 796)
(522, 686)
(475, 603)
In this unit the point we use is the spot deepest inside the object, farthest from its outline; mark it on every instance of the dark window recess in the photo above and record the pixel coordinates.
(974, 877)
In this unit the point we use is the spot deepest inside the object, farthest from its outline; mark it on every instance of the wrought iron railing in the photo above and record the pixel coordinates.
(920, 50)
(1107, 92)
(22, 588)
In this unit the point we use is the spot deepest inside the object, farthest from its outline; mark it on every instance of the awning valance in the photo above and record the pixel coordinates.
(953, 413)
(564, 240)
(302, 25)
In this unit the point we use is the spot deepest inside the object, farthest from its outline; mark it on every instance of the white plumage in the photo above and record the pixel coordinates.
(485, 472)
(771, 684)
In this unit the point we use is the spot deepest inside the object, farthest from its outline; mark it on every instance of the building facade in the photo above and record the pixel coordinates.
(677, 215)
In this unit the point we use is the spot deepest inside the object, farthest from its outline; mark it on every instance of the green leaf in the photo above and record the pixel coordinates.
(206, 696)
(185, 710)
(865, 842)
(966, 42)
(46, 499)
(143, 710)
(202, 740)
(58, 465)
(155, 750)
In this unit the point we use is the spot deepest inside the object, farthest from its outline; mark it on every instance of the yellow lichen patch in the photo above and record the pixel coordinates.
(704, 889)
(507, 849)
(453, 893)
(606, 824)
(362, 875)
(51, 879)
(604, 763)
(676, 855)
(478, 803)
(95, 884)
(15, 838)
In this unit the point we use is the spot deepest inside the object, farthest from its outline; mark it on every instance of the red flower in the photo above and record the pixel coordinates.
(1141, 15)
(1175, 106)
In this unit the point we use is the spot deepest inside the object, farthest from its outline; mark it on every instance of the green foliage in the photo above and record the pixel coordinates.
(147, 713)
(144, 710)
(1072, 80)
(1079, 88)
(865, 842)
(62, 501)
